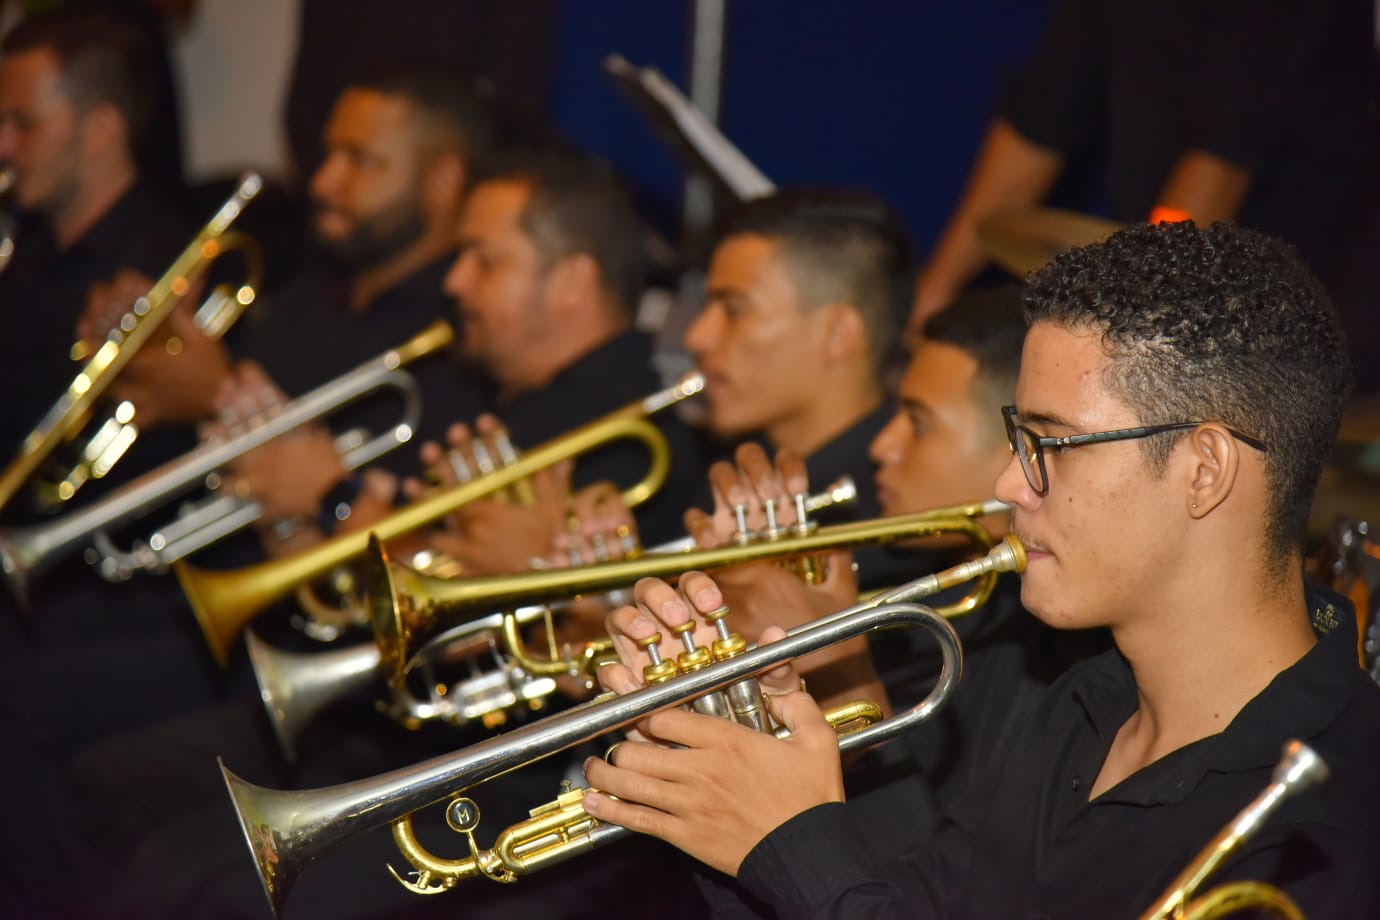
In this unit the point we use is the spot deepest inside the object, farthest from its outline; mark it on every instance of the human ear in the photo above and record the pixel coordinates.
(845, 334)
(574, 280)
(1214, 461)
(443, 182)
(102, 127)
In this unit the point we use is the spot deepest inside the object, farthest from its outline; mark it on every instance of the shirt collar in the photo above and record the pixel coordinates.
(1299, 703)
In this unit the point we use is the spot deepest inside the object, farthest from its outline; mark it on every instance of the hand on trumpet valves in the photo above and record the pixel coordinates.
(173, 384)
(599, 528)
(289, 475)
(493, 536)
(470, 453)
(710, 786)
(752, 496)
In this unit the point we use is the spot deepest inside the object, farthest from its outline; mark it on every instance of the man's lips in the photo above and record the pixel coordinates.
(1032, 548)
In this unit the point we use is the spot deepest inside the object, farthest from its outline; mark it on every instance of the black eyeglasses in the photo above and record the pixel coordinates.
(1029, 447)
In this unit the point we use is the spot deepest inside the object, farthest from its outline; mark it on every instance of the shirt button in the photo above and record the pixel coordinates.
(1077, 783)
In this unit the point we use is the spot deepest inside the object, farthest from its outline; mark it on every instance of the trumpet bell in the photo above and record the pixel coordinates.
(295, 687)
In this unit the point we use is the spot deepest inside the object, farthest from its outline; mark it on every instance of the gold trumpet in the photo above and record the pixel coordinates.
(288, 830)
(408, 610)
(112, 438)
(295, 686)
(1299, 768)
(225, 601)
(71, 412)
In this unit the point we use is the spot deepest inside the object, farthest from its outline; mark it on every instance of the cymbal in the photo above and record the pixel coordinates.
(1025, 240)
(1361, 421)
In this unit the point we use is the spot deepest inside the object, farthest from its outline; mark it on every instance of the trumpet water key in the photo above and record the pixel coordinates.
(288, 830)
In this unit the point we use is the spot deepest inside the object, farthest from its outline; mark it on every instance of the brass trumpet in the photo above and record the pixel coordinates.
(224, 602)
(295, 686)
(25, 552)
(288, 830)
(112, 438)
(1299, 768)
(408, 610)
(71, 412)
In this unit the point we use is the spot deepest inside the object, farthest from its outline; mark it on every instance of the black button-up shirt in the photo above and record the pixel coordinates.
(43, 292)
(1026, 842)
(307, 335)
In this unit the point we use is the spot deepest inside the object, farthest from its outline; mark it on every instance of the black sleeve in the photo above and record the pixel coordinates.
(1057, 100)
(821, 864)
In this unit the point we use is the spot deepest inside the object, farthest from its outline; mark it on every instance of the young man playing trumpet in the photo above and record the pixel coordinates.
(1217, 352)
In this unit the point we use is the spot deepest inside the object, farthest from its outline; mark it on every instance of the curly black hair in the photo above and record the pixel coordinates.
(1222, 324)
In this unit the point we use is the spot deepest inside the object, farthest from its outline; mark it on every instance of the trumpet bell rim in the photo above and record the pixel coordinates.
(385, 610)
(276, 871)
(259, 652)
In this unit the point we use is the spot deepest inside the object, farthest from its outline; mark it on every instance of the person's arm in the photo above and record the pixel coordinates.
(1202, 187)
(1010, 172)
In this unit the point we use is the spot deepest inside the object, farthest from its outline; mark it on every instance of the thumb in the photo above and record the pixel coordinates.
(798, 712)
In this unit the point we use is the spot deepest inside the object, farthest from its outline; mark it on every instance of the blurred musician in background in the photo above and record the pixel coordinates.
(1228, 350)
(75, 91)
(1234, 110)
(387, 197)
(401, 143)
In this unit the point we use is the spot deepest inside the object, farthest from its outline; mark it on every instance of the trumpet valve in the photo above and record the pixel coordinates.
(742, 536)
(658, 671)
(694, 659)
(773, 531)
(729, 644)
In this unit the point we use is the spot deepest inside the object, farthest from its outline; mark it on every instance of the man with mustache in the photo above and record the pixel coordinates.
(1217, 352)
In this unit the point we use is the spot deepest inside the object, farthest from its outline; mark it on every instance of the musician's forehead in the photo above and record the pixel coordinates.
(1061, 380)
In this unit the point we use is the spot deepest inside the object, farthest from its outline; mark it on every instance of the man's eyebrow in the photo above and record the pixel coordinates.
(736, 295)
(911, 404)
(1045, 417)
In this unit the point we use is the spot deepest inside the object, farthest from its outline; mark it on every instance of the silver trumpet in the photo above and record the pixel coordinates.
(27, 552)
(295, 686)
(289, 830)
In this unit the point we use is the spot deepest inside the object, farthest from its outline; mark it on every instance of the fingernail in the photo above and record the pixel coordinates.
(673, 607)
(704, 598)
(592, 802)
(629, 686)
